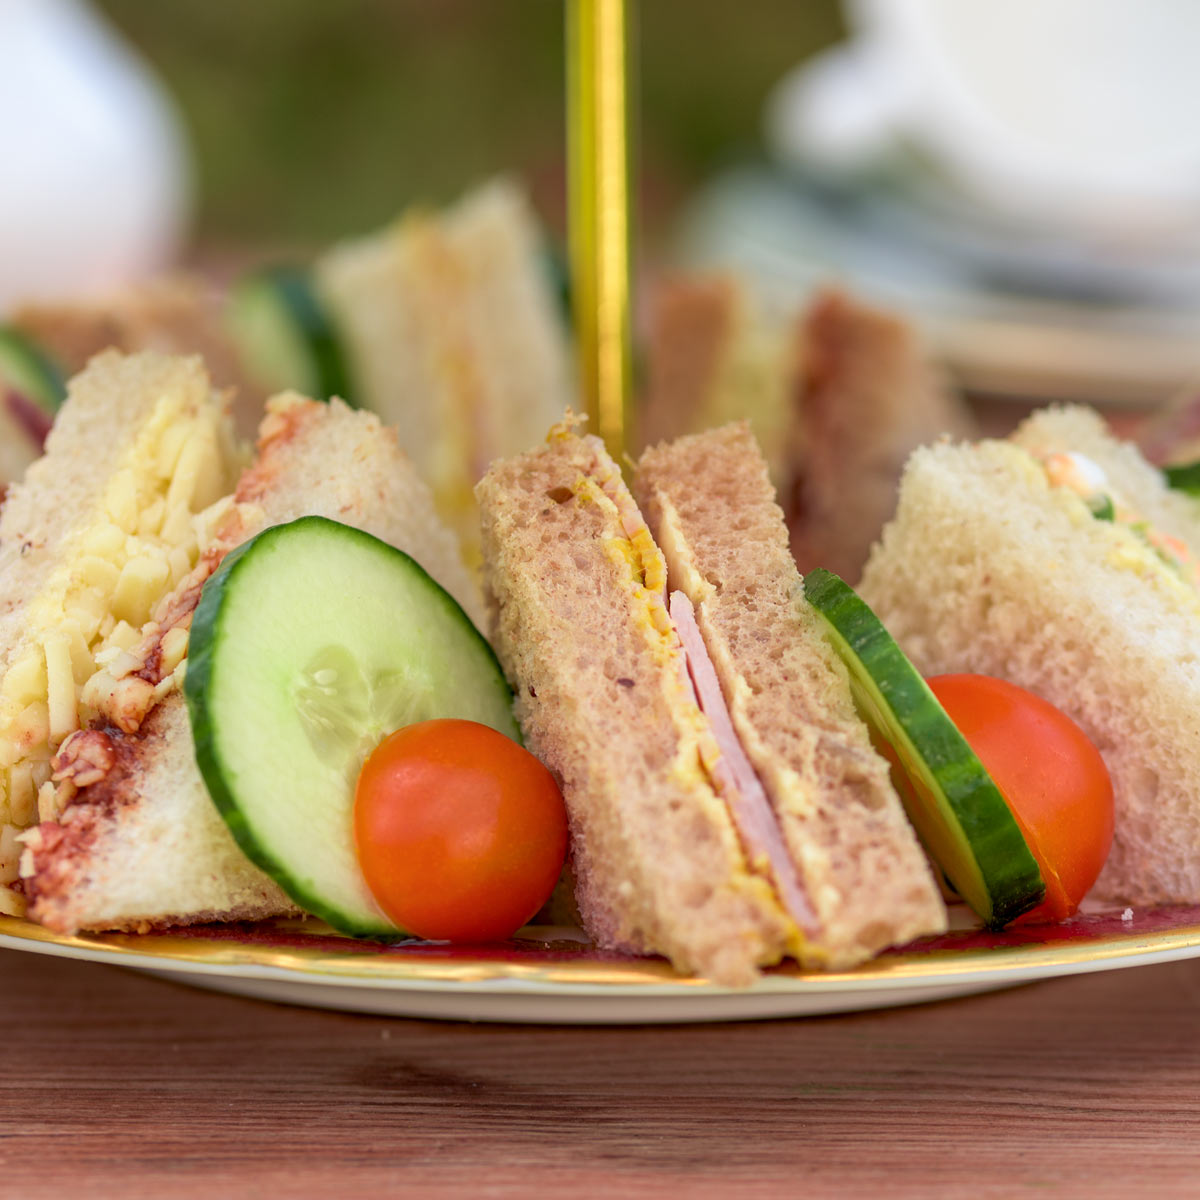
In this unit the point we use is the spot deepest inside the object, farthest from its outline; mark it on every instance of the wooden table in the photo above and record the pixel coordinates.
(115, 1084)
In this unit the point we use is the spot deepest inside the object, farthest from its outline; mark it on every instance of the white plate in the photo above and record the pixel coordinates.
(552, 976)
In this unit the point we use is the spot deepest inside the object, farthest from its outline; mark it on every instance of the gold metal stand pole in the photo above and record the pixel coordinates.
(598, 36)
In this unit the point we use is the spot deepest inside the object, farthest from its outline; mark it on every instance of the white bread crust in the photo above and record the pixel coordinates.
(988, 569)
(153, 851)
(710, 504)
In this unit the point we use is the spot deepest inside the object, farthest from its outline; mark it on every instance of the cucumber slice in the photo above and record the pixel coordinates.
(950, 798)
(310, 643)
(285, 335)
(1184, 477)
(558, 276)
(26, 369)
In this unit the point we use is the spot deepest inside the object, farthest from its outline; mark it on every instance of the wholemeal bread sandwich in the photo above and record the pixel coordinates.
(1060, 561)
(867, 396)
(127, 836)
(453, 334)
(175, 314)
(838, 394)
(726, 806)
(1170, 434)
(717, 352)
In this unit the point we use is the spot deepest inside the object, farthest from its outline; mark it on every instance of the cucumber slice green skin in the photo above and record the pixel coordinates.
(960, 814)
(1184, 478)
(28, 370)
(558, 275)
(287, 336)
(321, 556)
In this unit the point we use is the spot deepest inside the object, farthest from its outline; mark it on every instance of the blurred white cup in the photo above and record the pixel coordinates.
(94, 180)
(1070, 114)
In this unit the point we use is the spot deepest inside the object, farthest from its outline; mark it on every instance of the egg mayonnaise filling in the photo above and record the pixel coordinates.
(1168, 555)
(143, 538)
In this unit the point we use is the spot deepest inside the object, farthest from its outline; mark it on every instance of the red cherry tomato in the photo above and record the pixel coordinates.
(461, 833)
(1052, 776)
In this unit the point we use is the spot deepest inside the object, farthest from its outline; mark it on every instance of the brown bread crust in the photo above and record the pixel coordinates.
(690, 322)
(710, 505)
(173, 315)
(867, 399)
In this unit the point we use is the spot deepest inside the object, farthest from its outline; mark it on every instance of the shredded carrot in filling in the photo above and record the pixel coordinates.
(1088, 481)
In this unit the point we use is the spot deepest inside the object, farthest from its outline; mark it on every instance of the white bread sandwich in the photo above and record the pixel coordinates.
(452, 333)
(723, 829)
(1060, 561)
(44, 344)
(446, 324)
(128, 837)
(100, 530)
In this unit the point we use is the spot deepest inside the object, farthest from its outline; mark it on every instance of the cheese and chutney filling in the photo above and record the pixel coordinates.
(143, 537)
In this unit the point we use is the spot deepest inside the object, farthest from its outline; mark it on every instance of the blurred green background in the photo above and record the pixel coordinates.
(312, 119)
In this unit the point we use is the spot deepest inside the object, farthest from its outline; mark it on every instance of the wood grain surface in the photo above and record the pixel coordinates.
(115, 1084)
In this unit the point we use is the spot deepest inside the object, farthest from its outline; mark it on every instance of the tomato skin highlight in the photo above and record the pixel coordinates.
(461, 833)
(1051, 774)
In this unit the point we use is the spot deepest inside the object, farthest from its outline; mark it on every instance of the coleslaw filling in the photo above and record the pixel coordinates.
(1088, 480)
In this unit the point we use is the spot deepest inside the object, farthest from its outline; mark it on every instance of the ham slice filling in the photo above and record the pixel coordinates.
(734, 776)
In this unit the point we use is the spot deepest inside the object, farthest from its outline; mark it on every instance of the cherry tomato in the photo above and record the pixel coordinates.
(461, 833)
(1050, 773)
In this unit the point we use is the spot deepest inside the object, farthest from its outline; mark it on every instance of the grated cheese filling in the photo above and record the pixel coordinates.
(143, 538)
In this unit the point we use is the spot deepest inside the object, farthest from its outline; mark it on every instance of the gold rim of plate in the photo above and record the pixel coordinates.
(556, 956)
